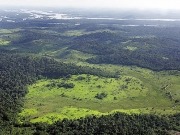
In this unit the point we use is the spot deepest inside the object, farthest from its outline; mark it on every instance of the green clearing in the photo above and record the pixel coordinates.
(48, 101)
(83, 31)
(4, 42)
(9, 35)
(73, 55)
(73, 33)
(5, 31)
(130, 48)
(9, 31)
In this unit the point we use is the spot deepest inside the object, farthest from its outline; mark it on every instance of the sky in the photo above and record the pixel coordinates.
(140, 4)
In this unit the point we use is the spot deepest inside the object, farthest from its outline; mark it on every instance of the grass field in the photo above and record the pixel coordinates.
(5, 31)
(130, 48)
(73, 33)
(9, 31)
(4, 42)
(9, 35)
(47, 101)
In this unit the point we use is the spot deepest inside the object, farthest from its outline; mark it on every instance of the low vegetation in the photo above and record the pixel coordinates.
(4, 42)
(96, 95)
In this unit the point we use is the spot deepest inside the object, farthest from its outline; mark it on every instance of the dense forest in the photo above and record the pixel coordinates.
(149, 52)
(117, 123)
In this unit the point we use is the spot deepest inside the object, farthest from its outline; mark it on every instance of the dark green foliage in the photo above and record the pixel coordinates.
(79, 78)
(61, 85)
(117, 123)
(51, 85)
(65, 85)
(176, 101)
(160, 53)
(123, 87)
(101, 95)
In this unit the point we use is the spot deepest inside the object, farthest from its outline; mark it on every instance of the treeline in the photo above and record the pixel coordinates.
(98, 43)
(117, 124)
(150, 52)
(125, 57)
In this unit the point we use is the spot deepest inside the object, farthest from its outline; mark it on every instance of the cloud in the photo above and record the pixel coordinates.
(142, 4)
